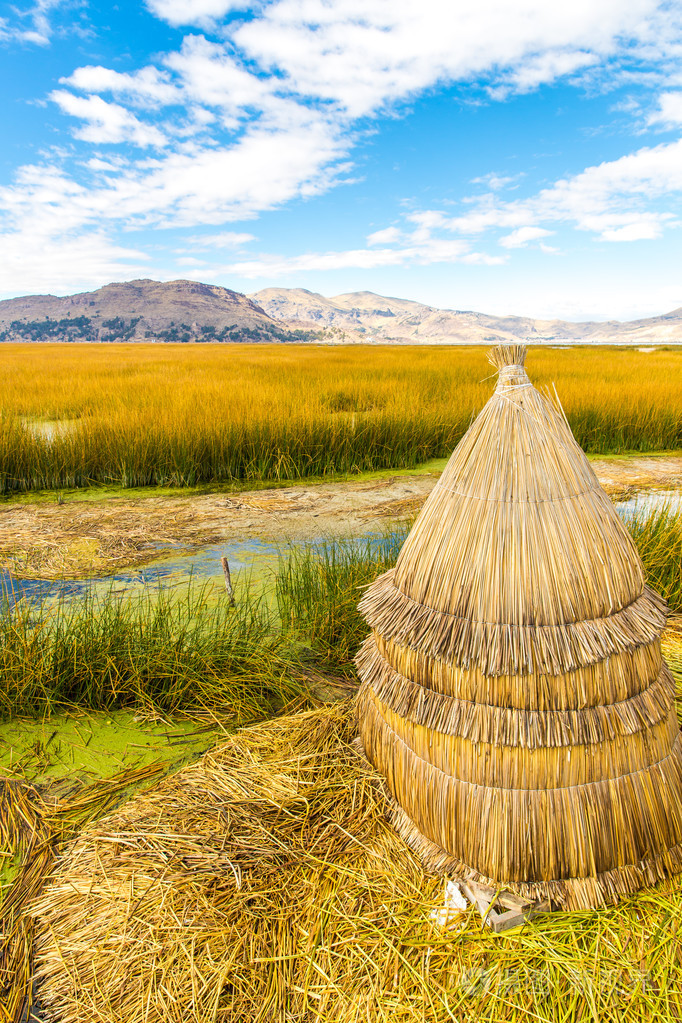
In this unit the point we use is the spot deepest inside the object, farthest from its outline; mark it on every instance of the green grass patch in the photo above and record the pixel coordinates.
(658, 536)
(151, 650)
(319, 586)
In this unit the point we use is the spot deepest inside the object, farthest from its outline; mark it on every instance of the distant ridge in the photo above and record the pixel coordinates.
(366, 316)
(182, 310)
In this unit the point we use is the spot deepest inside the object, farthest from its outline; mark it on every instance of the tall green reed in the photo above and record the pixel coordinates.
(658, 536)
(152, 649)
(319, 585)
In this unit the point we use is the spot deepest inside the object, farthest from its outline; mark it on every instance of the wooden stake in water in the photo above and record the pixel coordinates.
(228, 580)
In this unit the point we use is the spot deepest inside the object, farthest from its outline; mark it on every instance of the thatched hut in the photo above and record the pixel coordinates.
(514, 694)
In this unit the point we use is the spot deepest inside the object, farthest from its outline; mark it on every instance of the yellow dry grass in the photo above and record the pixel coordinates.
(150, 414)
(264, 883)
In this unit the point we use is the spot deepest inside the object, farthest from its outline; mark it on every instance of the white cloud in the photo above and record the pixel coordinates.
(30, 25)
(669, 111)
(208, 74)
(363, 54)
(223, 240)
(384, 237)
(193, 12)
(522, 236)
(495, 182)
(615, 200)
(545, 67)
(202, 185)
(62, 263)
(410, 248)
(646, 228)
(106, 122)
(149, 85)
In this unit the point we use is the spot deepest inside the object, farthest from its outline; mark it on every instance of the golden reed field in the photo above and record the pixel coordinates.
(145, 415)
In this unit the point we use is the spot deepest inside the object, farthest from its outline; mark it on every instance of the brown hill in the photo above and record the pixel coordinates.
(362, 315)
(148, 310)
(142, 310)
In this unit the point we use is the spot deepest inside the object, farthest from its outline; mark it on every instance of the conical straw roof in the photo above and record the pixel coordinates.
(514, 694)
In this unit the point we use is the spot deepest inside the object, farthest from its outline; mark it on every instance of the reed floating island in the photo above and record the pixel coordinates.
(519, 721)
(514, 693)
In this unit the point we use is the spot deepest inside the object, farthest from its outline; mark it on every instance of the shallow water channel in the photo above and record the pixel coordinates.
(256, 560)
(650, 500)
(84, 745)
(173, 567)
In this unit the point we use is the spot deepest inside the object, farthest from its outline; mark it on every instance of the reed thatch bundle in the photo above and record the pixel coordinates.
(514, 693)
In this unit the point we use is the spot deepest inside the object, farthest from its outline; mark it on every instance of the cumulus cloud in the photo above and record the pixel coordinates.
(222, 240)
(615, 200)
(669, 111)
(391, 247)
(384, 237)
(208, 74)
(149, 85)
(61, 262)
(266, 111)
(106, 122)
(264, 168)
(193, 12)
(363, 54)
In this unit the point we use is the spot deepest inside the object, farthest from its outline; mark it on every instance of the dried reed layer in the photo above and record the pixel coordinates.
(264, 883)
(148, 415)
(514, 695)
(32, 830)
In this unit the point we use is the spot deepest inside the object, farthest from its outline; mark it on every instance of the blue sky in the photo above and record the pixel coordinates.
(508, 156)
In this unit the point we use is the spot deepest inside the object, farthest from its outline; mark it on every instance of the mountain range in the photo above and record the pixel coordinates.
(147, 310)
(362, 315)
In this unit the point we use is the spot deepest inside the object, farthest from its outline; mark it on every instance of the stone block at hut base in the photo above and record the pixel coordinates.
(514, 694)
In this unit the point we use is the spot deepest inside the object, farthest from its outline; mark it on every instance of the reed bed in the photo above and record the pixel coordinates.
(173, 653)
(148, 415)
(264, 883)
(658, 536)
(194, 654)
(318, 586)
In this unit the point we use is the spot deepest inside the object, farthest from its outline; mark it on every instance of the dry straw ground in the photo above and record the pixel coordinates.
(264, 883)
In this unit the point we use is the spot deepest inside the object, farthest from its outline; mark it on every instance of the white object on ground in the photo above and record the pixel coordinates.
(452, 913)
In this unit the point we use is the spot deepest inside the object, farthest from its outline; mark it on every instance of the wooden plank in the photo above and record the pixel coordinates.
(516, 911)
